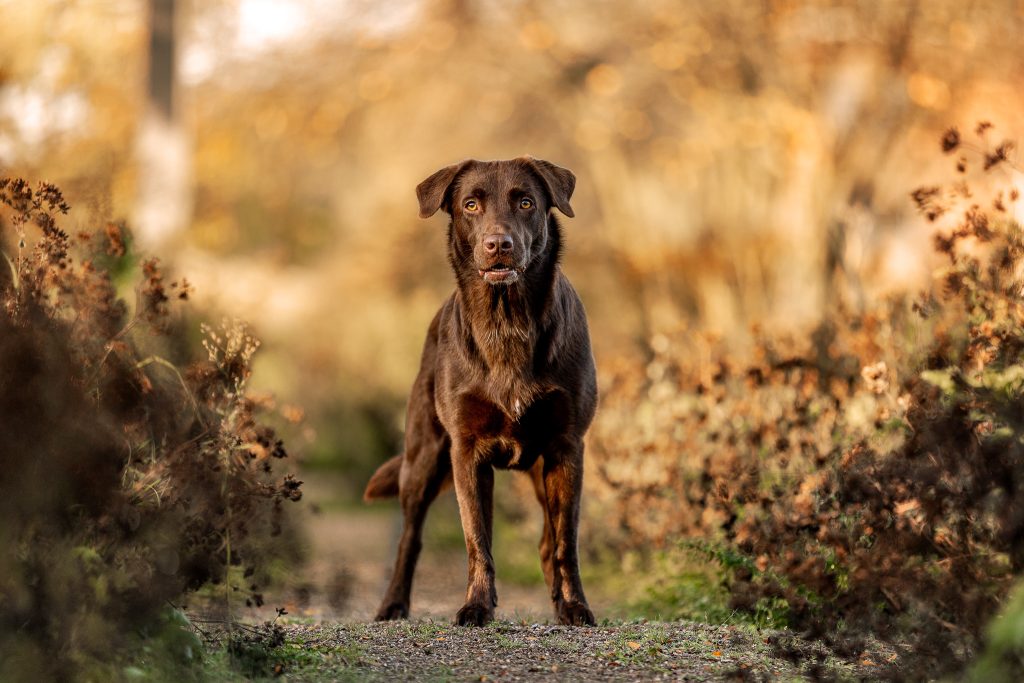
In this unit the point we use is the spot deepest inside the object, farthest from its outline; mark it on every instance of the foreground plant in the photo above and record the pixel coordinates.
(124, 481)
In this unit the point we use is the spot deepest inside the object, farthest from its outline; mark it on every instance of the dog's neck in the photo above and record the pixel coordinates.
(503, 323)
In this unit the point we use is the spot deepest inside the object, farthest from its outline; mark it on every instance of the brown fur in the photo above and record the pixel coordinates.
(506, 380)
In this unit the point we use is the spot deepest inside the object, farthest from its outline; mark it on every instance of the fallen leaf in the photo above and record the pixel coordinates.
(716, 653)
(633, 645)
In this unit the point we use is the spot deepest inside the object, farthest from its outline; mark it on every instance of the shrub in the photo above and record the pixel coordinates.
(124, 482)
(867, 481)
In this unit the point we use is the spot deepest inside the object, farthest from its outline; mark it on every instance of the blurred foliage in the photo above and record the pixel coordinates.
(866, 482)
(1002, 661)
(124, 481)
(738, 161)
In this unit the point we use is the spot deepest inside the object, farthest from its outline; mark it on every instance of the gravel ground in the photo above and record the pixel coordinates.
(505, 651)
(330, 637)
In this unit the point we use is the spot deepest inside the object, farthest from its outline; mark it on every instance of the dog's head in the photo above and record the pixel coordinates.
(500, 211)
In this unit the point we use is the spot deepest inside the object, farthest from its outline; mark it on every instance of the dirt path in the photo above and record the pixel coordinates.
(362, 549)
(507, 651)
(329, 633)
(352, 549)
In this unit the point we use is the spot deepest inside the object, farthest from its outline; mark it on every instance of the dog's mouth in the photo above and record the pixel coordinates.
(499, 274)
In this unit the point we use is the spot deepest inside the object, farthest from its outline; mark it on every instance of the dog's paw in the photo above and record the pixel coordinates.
(393, 611)
(474, 614)
(575, 614)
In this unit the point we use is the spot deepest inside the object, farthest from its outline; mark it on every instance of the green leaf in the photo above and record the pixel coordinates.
(1008, 380)
(943, 379)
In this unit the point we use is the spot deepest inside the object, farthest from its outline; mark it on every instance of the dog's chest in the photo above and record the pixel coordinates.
(510, 394)
(510, 439)
(508, 381)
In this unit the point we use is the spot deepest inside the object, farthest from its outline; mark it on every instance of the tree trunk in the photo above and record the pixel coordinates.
(163, 148)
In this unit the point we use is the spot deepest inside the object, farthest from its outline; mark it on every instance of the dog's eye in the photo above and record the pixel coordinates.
(525, 203)
(471, 205)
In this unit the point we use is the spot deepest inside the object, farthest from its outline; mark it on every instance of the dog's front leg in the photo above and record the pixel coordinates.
(563, 487)
(474, 488)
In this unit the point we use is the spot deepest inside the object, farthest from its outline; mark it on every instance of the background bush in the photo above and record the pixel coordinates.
(863, 480)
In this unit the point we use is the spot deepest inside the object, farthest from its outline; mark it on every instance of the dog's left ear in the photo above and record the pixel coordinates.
(433, 191)
(560, 181)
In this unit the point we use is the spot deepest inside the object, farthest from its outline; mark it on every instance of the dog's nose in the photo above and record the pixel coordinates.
(497, 242)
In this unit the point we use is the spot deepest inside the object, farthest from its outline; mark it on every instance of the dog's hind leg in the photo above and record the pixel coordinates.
(546, 539)
(425, 471)
(423, 476)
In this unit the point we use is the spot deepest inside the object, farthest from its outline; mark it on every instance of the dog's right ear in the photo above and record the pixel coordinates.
(433, 191)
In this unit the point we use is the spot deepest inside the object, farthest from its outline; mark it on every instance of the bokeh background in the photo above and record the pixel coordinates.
(738, 163)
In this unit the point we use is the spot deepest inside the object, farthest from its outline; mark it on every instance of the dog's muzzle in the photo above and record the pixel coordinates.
(500, 274)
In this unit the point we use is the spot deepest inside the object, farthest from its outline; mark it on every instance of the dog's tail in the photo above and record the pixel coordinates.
(384, 482)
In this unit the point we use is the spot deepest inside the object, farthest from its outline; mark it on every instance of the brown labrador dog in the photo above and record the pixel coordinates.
(506, 380)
